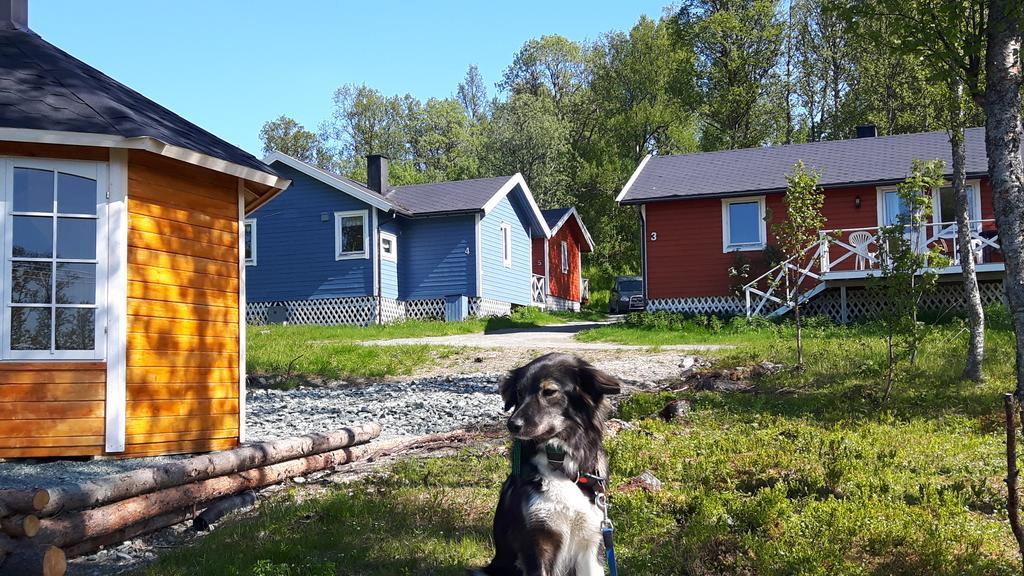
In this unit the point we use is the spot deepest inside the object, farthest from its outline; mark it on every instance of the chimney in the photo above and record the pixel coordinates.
(867, 131)
(377, 173)
(14, 14)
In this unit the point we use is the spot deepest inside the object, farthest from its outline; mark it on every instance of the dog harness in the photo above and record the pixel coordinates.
(593, 482)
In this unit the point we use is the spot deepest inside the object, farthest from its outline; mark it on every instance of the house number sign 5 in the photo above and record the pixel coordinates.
(654, 236)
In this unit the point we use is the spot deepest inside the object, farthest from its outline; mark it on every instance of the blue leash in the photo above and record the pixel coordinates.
(607, 534)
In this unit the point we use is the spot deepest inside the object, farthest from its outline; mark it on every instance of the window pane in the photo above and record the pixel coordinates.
(30, 328)
(744, 223)
(352, 234)
(76, 238)
(76, 195)
(31, 282)
(947, 204)
(33, 190)
(76, 329)
(76, 283)
(33, 237)
(894, 208)
(248, 241)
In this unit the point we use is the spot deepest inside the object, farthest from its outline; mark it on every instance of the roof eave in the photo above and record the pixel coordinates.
(730, 194)
(367, 196)
(146, 143)
(513, 181)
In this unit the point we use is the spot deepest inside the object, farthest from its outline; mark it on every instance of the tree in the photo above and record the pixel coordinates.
(1002, 105)
(472, 95)
(526, 135)
(289, 137)
(364, 121)
(441, 141)
(803, 200)
(949, 37)
(737, 44)
(906, 265)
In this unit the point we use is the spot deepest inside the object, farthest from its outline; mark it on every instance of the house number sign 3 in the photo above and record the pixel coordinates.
(654, 236)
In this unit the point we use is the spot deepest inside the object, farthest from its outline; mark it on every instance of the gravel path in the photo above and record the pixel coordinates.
(424, 404)
(555, 337)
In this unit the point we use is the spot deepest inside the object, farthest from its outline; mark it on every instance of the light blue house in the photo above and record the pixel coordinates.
(333, 251)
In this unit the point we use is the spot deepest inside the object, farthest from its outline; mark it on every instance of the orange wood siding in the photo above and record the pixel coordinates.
(51, 409)
(183, 358)
(565, 285)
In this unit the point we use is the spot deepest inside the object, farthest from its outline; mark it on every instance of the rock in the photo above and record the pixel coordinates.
(675, 411)
(647, 482)
(298, 480)
(766, 369)
(613, 426)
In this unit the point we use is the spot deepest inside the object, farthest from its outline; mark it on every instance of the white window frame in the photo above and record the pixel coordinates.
(338, 219)
(727, 245)
(565, 257)
(384, 255)
(506, 244)
(251, 223)
(881, 191)
(98, 171)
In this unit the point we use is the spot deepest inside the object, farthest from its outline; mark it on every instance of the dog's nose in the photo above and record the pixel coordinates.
(515, 426)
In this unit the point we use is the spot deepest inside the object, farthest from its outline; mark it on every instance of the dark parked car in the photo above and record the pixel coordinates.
(627, 295)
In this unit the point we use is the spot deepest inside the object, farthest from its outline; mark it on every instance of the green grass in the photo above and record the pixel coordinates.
(332, 352)
(811, 475)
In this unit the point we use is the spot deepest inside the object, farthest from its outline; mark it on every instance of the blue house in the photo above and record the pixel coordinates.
(333, 251)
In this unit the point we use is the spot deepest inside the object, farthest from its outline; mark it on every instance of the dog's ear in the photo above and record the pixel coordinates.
(597, 382)
(509, 388)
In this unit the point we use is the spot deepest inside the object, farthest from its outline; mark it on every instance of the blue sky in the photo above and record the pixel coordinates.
(231, 65)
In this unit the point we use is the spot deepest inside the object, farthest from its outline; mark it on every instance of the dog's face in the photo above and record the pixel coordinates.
(553, 393)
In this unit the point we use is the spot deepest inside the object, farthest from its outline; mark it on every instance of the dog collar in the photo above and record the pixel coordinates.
(556, 459)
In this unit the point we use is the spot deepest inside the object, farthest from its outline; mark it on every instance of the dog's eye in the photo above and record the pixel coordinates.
(549, 392)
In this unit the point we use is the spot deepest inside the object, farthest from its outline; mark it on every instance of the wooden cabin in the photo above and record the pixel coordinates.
(558, 261)
(123, 277)
(707, 216)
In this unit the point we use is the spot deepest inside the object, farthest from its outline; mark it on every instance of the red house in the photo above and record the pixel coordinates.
(558, 282)
(706, 221)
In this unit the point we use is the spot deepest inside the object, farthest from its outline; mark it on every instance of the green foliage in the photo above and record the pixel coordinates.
(803, 219)
(905, 266)
(809, 475)
(289, 137)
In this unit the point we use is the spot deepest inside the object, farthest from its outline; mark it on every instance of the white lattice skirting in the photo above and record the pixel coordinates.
(432, 309)
(698, 305)
(561, 304)
(357, 311)
(862, 303)
(482, 307)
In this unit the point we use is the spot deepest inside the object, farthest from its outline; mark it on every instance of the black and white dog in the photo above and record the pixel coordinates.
(548, 522)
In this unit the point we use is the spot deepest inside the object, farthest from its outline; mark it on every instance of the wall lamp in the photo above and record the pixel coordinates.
(856, 201)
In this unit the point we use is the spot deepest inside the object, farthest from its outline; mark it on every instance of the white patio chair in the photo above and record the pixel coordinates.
(860, 240)
(977, 248)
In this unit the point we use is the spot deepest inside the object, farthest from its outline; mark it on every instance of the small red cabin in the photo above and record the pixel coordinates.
(558, 261)
(707, 221)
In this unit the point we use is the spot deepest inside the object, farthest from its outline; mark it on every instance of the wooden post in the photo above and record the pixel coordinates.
(844, 310)
(1012, 473)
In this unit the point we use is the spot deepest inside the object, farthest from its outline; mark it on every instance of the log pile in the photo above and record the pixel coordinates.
(41, 528)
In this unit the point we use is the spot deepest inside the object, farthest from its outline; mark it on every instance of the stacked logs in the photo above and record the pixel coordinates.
(41, 528)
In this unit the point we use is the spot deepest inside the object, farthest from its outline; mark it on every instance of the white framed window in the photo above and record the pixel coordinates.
(506, 244)
(350, 235)
(388, 247)
(565, 257)
(743, 225)
(54, 246)
(250, 242)
(891, 207)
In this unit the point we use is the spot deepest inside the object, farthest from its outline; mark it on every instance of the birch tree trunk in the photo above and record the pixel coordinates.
(972, 293)
(1002, 105)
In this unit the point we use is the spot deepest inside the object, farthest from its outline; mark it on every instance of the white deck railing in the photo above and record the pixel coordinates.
(835, 255)
(539, 289)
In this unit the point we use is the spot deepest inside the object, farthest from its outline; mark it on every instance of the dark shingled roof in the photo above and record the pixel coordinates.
(880, 159)
(44, 88)
(554, 216)
(446, 197)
